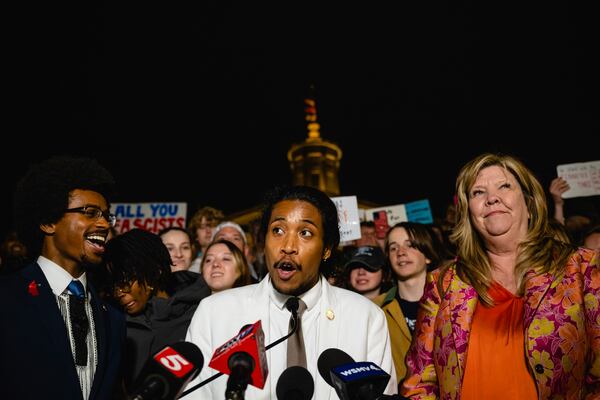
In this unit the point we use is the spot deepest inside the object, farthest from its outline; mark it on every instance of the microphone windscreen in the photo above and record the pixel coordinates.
(295, 383)
(167, 371)
(249, 341)
(292, 304)
(191, 352)
(330, 359)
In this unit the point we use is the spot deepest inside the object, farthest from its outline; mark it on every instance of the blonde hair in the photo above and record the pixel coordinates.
(240, 262)
(541, 250)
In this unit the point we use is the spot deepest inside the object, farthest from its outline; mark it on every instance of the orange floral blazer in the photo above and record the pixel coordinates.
(562, 333)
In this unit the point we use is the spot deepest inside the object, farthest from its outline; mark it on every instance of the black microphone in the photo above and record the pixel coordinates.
(352, 380)
(295, 383)
(241, 366)
(167, 372)
(292, 305)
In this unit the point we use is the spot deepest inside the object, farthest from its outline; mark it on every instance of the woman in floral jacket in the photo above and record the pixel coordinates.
(517, 315)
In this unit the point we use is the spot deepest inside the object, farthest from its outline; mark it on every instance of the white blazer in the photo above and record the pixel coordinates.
(346, 321)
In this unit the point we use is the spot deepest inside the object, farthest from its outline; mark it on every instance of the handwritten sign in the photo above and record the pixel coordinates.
(347, 207)
(583, 178)
(152, 217)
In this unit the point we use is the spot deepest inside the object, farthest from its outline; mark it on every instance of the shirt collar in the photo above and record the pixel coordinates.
(310, 297)
(58, 277)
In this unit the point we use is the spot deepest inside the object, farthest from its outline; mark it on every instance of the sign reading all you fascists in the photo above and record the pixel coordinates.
(152, 217)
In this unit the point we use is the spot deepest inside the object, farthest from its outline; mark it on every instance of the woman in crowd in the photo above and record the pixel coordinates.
(517, 315)
(224, 266)
(179, 243)
(367, 272)
(139, 270)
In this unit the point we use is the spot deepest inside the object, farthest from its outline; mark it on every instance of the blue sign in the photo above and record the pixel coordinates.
(419, 211)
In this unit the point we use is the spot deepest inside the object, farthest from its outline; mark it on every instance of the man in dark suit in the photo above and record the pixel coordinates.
(58, 339)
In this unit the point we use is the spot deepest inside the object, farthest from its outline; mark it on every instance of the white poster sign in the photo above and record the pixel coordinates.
(348, 213)
(583, 178)
(152, 217)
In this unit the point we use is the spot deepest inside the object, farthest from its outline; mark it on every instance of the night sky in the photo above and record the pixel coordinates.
(98, 79)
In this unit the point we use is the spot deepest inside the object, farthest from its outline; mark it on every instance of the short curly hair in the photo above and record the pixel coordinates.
(42, 195)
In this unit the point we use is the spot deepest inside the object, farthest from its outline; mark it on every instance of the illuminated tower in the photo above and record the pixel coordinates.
(315, 162)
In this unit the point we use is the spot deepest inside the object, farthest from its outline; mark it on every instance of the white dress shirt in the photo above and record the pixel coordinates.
(335, 318)
(58, 279)
(280, 319)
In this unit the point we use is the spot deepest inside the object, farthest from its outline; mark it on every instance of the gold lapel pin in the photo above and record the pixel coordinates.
(329, 314)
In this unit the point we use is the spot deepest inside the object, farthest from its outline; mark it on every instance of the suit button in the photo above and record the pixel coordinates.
(539, 368)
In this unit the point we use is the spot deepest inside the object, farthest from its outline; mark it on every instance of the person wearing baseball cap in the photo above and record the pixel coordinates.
(367, 272)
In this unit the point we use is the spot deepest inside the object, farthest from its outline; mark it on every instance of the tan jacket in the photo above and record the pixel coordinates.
(400, 336)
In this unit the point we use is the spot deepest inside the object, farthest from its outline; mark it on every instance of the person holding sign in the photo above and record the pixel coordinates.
(515, 291)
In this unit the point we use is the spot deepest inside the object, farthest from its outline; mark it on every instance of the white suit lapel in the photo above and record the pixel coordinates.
(258, 305)
(328, 334)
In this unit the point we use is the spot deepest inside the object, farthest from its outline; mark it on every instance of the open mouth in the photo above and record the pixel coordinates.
(128, 306)
(97, 240)
(286, 266)
(286, 269)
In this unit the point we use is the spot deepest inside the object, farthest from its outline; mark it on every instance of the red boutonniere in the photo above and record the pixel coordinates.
(33, 289)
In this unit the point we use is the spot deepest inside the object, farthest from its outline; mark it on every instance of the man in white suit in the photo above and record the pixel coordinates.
(300, 227)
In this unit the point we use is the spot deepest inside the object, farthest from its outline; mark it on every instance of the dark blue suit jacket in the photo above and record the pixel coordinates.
(35, 354)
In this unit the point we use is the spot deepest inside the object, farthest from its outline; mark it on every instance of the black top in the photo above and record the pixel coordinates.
(163, 322)
(409, 309)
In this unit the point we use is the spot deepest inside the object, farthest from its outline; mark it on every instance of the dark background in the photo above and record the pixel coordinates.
(99, 79)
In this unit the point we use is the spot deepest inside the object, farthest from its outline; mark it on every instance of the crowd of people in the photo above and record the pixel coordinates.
(501, 300)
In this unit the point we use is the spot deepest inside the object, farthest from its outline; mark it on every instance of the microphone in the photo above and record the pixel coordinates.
(292, 305)
(295, 383)
(352, 380)
(166, 373)
(243, 359)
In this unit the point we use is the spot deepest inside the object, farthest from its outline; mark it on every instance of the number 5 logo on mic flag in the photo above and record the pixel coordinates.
(174, 362)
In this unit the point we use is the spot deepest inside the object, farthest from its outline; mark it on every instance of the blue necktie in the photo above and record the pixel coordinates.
(79, 321)
(76, 288)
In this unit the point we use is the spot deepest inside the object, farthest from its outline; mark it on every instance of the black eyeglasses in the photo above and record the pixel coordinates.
(95, 213)
(123, 287)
